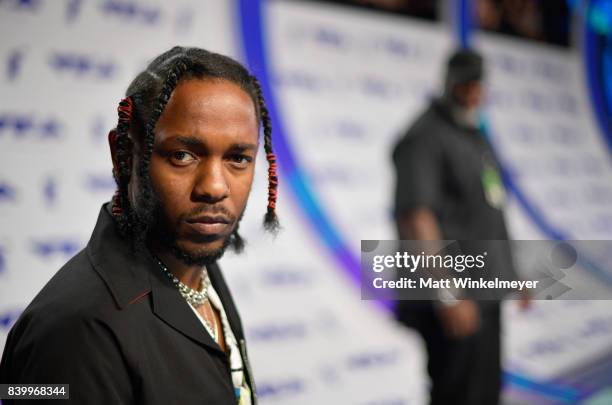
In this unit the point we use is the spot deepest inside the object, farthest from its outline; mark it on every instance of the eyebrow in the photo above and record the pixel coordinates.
(244, 147)
(189, 141)
(194, 142)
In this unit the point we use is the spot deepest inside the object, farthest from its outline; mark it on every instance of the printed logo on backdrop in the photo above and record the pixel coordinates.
(382, 45)
(593, 329)
(345, 130)
(285, 389)
(21, 126)
(303, 80)
(8, 193)
(522, 67)
(333, 175)
(126, 10)
(2, 260)
(548, 102)
(56, 247)
(184, 20)
(321, 322)
(373, 359)
(329, 374)
(20, 5)
(8, 318)
(132, 12)
(99, 129)
(82, 66)
(14, 62)
(327, 36)
(371, 85)
(565, 136)
(97, 183)
(274, 332)
(286, 277)
(390, 401)
(73, 9)
(49, 191)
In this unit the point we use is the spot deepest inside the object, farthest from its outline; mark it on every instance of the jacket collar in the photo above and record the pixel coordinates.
(133, 274)
(444, 109)
(124, 271)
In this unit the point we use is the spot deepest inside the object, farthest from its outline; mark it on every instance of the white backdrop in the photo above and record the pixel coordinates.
(347, 83)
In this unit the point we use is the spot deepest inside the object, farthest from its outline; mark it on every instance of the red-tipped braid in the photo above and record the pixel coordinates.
(272, 181)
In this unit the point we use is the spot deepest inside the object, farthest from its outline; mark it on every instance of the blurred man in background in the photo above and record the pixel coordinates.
(448, 188)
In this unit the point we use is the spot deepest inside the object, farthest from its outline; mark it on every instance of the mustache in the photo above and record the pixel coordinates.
(208, 210)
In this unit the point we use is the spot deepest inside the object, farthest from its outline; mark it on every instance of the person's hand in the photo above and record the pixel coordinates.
(460, 319)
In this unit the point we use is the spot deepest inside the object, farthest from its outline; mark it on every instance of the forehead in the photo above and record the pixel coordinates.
(214, 108)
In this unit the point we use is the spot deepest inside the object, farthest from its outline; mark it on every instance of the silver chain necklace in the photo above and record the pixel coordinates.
(194, 297)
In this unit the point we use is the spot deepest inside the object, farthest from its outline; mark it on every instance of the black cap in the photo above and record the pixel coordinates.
(465, 66)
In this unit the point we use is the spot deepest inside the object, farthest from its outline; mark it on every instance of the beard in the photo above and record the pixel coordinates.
(154, 228)
(199, 257)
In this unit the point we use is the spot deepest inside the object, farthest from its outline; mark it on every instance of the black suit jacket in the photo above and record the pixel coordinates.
(113, 326)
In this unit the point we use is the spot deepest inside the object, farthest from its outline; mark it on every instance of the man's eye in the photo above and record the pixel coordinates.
(181, 157)
(240, 160)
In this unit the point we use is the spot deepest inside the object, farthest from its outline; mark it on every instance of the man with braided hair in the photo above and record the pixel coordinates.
(142, 315)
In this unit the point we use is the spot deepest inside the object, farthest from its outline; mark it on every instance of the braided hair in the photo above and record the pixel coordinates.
(139, 111)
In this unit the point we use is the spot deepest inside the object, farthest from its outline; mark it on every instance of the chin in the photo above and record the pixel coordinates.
(200, 253)
(212, 248)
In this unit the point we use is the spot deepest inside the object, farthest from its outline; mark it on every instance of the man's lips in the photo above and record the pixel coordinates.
(209, 224)
(210, 219)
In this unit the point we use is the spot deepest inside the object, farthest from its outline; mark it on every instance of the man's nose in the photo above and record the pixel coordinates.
(211, 183)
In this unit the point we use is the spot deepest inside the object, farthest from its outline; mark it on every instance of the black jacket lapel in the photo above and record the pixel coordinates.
(218, 282)
(130, 275)
(174, 310)
(115, 262)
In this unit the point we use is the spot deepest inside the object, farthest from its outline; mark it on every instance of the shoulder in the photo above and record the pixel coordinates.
(425, 132)
(75, 288)
(68, 323)
(417, 146)
(74, 297)
(61, 340)
(430, 120)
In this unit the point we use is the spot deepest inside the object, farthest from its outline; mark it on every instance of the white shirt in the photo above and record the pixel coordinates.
(241, 387)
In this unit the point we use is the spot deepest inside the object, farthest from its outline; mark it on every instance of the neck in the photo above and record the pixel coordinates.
(467, 117)
(464, 116)
(190, 275)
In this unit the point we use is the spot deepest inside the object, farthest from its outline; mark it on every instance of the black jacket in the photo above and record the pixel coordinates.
(112, 325)
(439, 164)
